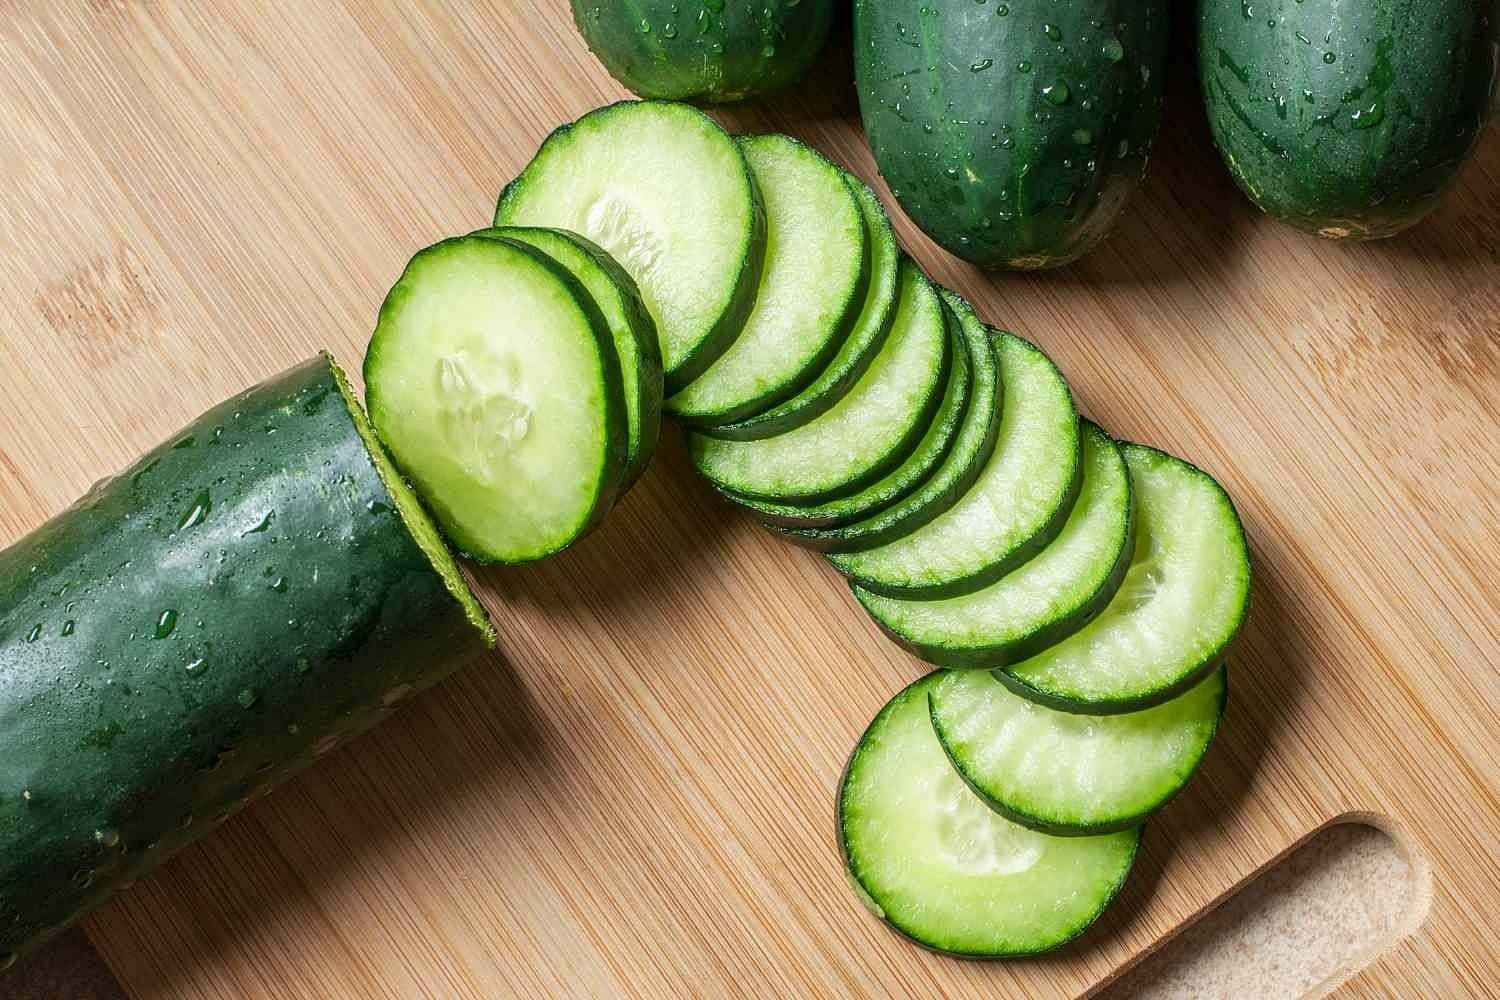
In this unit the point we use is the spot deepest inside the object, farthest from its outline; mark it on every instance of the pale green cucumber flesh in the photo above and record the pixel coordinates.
(942, 432)
(1182, 600)
(496, 389)
(1069, 774)
(885, 518)
(667, 192)
(858, 349)
(928, 856)
(1044, 600)
(619, 303)
(871, 430)
(812, 285)
(1015, 506)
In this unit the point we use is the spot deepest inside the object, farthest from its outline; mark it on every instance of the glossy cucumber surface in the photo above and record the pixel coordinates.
(195, 629)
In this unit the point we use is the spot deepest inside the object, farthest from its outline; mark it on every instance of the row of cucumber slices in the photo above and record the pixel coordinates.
(1079, 592)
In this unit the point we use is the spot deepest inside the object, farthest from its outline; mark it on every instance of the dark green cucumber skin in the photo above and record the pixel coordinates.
(714, 52)
(1043, 825)
(1004, 166)
(113, 754)
(1362, 146)
(1003, 654)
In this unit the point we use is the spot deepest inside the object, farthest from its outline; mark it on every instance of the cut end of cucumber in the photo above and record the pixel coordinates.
(411, 512)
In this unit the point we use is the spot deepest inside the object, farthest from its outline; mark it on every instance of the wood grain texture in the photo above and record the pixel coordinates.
(635, 795)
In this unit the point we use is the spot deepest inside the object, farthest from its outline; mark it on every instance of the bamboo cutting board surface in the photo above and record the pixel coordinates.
(634, 795)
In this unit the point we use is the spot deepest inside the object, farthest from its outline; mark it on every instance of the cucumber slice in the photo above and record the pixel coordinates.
(930, 858)
(1017, 505)
(935, 444)
(494, 383)
(636, 346)
(667, 192)
(811, 287)
(1068, 774)
(1056, 593)
(858, 349)
(869, 432)
(876, 522)
(1182, 601)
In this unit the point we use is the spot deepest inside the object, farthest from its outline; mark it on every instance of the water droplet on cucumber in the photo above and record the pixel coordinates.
(166, 624)
(262, 525)
(197, 513)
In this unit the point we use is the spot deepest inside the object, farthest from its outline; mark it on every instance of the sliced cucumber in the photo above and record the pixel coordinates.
(871, 430)
(494, 382)
(1017, 505)
(1182, 601)
(876, 523)
(932, 859)
(619, 302)
(811, 287)
(1053, 595)
(858, 349)
(667, 192)
(1070, 774)
(907, 476)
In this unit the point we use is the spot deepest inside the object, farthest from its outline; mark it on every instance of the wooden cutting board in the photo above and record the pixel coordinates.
(635, 794)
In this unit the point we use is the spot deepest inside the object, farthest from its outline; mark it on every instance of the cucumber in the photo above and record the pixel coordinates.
(871, 430)
(494, 382)
(1016, 506)
(927, 855)
(1060, 590)
(196, 629)
(1349, 120)
(667, 192)
(812, 286)
(1068, 774)
(877, 523)
(714, 53)
(1183, 599)
(858, 349)
(952, 415)
(636, 347)
(1012, 133)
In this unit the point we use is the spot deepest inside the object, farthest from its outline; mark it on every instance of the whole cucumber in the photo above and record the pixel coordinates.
(1012, 132)
(1347, 118)
(199, 627)
(705, 51)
